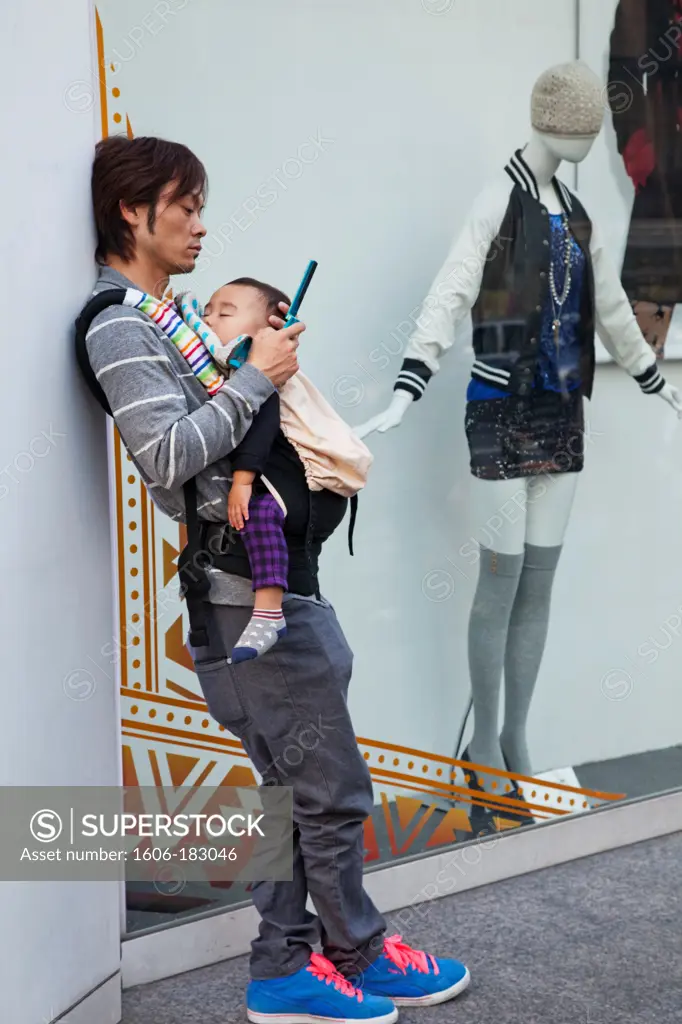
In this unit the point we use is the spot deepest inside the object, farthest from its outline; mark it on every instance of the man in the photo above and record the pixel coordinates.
(645, 94)
(148, 195)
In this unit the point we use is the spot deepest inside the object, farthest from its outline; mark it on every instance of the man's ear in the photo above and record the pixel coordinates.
(130, 214)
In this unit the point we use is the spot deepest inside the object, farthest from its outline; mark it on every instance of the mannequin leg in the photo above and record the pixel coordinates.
(526, 638)
(550, 501)
(500, 520)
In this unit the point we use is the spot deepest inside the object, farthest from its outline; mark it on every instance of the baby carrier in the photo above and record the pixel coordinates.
(200, 553)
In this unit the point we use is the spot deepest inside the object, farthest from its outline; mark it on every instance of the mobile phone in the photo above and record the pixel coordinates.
(291, 317)
(240, 354)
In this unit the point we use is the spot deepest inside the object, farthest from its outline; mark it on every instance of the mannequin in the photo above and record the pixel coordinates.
(530, 264)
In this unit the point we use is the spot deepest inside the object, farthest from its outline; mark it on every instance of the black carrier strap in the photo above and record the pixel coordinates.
(351, 525)
(193, 564)
(98, 303)
(193, 561)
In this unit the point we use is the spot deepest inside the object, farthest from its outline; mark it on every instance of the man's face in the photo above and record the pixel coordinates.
(236, 309)
(175, 241)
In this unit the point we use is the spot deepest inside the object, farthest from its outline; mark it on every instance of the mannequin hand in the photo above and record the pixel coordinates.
(673, 397)
(391, 417)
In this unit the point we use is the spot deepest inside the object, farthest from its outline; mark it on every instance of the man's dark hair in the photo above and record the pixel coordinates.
(273, 296)
(135, 172)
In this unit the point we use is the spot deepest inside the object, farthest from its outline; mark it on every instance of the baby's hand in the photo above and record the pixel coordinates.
(238, 505)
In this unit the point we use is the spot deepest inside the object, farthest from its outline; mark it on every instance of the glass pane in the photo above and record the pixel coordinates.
(512, 602)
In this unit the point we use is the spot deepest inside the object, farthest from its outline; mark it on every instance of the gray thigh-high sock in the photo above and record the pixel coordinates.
(525, 646)
(490, 613)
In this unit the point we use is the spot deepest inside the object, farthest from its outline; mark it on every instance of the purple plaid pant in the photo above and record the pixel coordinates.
(263, 537)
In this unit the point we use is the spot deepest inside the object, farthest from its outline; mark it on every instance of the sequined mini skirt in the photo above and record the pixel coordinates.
(516, 437)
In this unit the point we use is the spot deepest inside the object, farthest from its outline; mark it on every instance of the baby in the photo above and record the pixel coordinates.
(296, 431)
(234, 311)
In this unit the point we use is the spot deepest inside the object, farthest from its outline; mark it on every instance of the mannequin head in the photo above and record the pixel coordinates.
(567, 110)
(561, 148)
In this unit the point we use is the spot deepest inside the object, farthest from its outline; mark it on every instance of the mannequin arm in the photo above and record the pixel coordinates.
(391, 417)
(450, 298)
(454, 290)
(617, 325)
(673, 397)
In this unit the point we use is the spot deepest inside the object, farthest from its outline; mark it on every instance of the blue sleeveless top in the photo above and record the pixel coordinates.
(557, 370)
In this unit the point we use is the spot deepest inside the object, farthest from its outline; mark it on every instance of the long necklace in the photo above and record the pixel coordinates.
(559, 300)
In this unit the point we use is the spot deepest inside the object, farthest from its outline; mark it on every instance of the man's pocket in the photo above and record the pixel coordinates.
(222, 693)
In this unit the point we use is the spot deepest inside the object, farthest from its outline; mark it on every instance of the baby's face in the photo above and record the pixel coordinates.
(236, 309)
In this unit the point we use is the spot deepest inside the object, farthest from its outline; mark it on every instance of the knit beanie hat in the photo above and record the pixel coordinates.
(568, 101)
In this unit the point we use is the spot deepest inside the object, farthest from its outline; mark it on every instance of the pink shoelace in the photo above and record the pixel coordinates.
(324, 970)
(403, 956)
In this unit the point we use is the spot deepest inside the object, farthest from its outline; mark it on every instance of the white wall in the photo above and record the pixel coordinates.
(416, 110)
(59, 722)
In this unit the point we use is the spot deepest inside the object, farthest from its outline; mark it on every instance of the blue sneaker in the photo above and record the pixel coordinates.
(412, 978)
(316, 993)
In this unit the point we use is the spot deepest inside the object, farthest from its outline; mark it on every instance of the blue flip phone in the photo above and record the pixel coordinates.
(240, 354)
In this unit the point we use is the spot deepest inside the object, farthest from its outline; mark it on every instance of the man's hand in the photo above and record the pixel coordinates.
(238, 505)
(273, 350)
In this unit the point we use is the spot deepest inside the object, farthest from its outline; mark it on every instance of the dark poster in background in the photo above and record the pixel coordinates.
(645, 93)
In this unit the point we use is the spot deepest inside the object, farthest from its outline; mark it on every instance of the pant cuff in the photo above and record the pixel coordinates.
(284, 972)
(268, 581)
(362, 958)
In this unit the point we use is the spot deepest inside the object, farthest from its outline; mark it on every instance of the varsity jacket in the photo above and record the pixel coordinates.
(498, 269)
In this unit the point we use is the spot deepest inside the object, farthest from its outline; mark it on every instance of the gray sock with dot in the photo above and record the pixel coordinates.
(262, 632)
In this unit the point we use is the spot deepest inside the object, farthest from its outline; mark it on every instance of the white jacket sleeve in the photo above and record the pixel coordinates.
(458, 282)
(617, 325)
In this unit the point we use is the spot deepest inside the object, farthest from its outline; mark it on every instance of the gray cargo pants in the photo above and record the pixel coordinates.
(289, 710)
